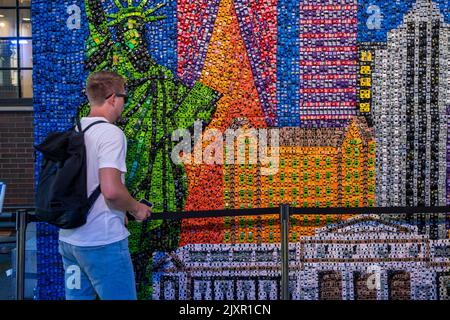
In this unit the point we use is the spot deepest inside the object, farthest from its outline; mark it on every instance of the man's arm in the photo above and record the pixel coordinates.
(117, 195)
(199, 103)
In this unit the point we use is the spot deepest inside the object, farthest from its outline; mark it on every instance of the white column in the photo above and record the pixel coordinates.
(348, 290)
(382, 292)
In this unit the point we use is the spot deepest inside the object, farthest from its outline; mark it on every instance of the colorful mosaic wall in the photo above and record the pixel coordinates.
(358, 93)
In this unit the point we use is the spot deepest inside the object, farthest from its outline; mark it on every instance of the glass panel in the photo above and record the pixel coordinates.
(25, 23)
(26, 78)
(24, 3)
(7, 3)
(8, 54)
(9, 84)
(26, 54)
(8, 23)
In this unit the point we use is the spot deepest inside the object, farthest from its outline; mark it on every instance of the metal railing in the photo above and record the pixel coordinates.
(24, 216)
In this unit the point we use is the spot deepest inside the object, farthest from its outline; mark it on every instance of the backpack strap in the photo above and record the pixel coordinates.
(91, 125)
(94, 196)
(78, 125)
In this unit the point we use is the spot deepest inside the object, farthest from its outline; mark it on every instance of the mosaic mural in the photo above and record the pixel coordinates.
(358, 94)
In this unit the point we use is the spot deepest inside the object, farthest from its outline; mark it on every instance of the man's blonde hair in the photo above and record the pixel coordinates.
(101, 84)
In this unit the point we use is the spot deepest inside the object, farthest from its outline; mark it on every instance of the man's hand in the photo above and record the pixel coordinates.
(141, 212)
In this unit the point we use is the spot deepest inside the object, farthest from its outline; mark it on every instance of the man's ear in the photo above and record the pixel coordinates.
(113, 101)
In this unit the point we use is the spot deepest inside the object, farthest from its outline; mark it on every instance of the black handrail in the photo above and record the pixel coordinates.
(7, 209)
(294, 210)
(170, 215)
(24, 216)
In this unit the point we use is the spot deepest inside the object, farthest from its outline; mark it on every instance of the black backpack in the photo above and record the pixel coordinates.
(61, 197)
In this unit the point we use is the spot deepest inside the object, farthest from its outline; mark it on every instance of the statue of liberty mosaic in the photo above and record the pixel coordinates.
(158, 104)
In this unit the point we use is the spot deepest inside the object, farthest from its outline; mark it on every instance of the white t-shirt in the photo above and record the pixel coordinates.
(106, 147)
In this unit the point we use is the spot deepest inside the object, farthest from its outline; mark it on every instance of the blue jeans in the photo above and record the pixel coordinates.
(103, 271)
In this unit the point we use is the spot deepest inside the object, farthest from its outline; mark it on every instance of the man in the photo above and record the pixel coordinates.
(97, 252)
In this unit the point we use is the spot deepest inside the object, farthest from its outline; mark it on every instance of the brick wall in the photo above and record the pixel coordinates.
(17, 156)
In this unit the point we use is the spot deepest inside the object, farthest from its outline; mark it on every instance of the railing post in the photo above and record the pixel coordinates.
(21, 229)
(284, 216)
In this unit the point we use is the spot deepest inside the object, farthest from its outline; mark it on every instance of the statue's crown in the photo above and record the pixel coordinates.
(124, 13)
